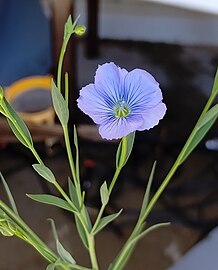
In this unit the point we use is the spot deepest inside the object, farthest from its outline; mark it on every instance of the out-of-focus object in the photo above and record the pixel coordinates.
(202, 256)
(31, 98)
(212, 144)
(209, 6)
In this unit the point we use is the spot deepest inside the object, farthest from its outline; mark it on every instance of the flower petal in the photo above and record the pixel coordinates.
(108, 81)
(92, 104)
(152, 116)
(141, 90)
(116, 128)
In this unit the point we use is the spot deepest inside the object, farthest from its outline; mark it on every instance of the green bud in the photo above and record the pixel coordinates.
(80, 30)
(7, 228)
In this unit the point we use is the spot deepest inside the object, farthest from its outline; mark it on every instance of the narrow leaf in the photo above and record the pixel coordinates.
(53, 228)
(104, 193)
(148, 189)
(87, 218)
(210, 115)
(150, 229)
(52, 200)
(64, 254)
(68, 27)
(9, 194)
(45, 172)
(130, 141)
(77, 152)
(73, 194)
(60, 105)
(17, 126)
(199, 135)
(123, 256)
(215, 84)
(105, 221)
(81, 232)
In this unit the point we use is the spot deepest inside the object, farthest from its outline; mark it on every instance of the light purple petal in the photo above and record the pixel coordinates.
(141, 90)
(152, 116)
(108, 81)
(92, 104)
(116, 128)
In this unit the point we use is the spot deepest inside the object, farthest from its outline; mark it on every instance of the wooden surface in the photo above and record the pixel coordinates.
(38, 132)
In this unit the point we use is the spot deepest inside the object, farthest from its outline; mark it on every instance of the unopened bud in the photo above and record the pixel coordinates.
(80, 30)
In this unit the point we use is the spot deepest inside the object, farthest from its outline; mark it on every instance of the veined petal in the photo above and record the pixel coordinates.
(92, 104)
(108, 81)
(141, 90)
(152, 116)
(116, 128)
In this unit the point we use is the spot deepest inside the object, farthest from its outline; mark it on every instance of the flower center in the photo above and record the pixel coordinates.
(121, 109)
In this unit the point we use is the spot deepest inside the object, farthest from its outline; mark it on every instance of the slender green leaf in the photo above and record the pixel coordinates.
(104, 193)
(125, 253)
(53, 228)
(105, 221)
(45, 172)
(76, 21)
(73, 194)
(85, 213)
(200, 133)
(148, 189)
(81, 232)
(150, 229)
(210, 115)
(68, 27)
(130, 141)
(64, 254)
(18, 126)
(52, 200)
(77, 152)
(122, 258)
(1, 93)
(215, 84)
(60, 105)
(9, 194)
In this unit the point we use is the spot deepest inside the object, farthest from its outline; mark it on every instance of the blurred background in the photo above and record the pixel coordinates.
(176, 41)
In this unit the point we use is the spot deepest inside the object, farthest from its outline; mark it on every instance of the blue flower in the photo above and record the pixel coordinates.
(121, 102)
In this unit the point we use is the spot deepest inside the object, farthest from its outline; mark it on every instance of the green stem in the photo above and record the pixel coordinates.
(61, 59)
(71, 162)
(66, 84)
(36, 155)
(120, 165)
(114, 179)
(92, 252)
(101, 211)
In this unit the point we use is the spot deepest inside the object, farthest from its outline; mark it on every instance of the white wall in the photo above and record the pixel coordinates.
(143, 21)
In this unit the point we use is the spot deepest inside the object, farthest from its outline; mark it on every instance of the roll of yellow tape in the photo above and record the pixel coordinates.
(31, 98)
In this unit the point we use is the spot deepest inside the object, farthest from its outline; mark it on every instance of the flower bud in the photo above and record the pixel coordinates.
(80, 30)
